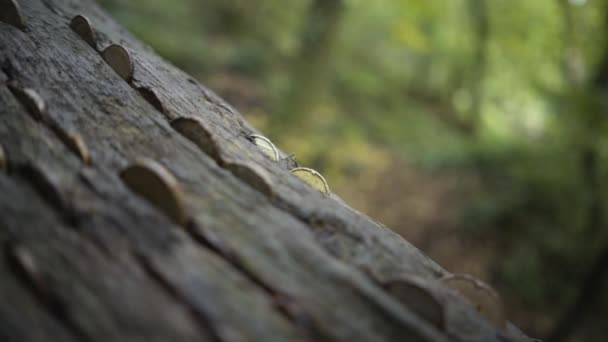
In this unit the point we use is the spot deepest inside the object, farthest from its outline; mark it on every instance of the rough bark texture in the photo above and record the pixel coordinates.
(262, 256)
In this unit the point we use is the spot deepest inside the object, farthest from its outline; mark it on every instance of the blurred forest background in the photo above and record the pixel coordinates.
(477, 129)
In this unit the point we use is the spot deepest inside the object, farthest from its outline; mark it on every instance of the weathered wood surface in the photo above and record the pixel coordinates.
(87, 259)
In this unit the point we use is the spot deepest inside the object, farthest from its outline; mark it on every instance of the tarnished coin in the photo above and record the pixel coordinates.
(480, 295)
(3, 161)
(23, 260)
(412, 292)
(152, 181)
(82, 26)
(266, 146)
(119, 59)
(150, 95)
(10, 13)
(30, 99)
(312, 177)
(75, 143)
(253, 175)
(194, 129)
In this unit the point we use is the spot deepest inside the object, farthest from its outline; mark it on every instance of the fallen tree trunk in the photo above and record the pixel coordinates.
(134, 207)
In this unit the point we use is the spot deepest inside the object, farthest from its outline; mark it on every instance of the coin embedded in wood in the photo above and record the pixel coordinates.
(24, 261)
(253, 175)
(312, 177)
(119, 59)
(480, 295)
(82, 26)
(265, 145)
(75, 143)
(10, 13)
(412, 292)
(30, 99)
(154, 182)
(150, 95)
(3, 161)
(194, 129)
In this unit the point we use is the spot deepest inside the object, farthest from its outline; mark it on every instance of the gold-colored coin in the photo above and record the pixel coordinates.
(266, 146)
(312, 177)
(119, 59)
(152, 181)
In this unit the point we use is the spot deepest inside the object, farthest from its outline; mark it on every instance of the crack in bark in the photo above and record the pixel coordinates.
(8, 69)
(35, 106)
(22, 264)
(50, 193)
(173, 292)
(285, 304)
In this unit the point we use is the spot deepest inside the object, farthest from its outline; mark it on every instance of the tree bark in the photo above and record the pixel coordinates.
(261, 256)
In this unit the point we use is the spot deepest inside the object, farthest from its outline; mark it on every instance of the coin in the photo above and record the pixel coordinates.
(81, 25)
(253, 175)
(30, 99)
(155, 183)
(10, 13)
(75, 143)
(266, 146)
(194, 129)
(150, 95)
(312, 177)
(3, 161)
(119, 59)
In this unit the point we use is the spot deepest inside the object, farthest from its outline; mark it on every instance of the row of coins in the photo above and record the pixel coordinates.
(119, 59)
(308, 175)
